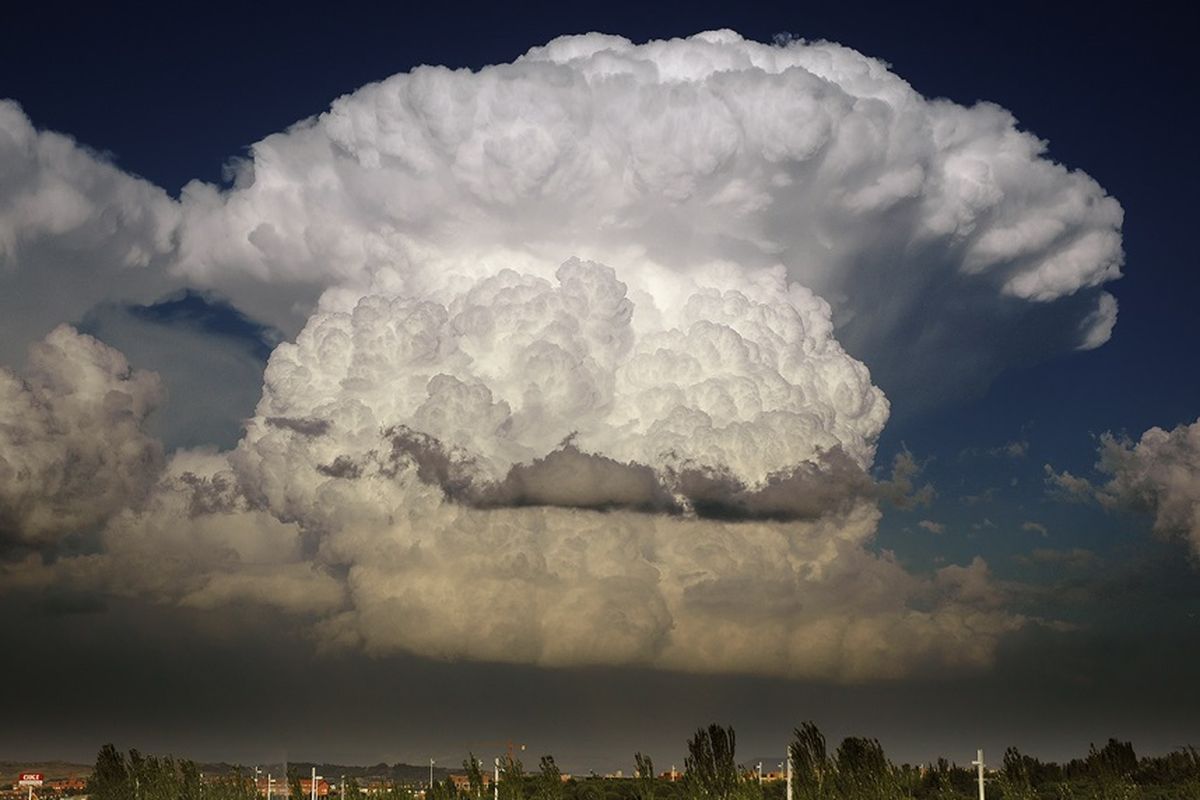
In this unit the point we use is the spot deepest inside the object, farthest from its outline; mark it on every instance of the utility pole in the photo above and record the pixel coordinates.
(496, 781)
(760, 774)
(430, 776)
(789, 774)
(978, 764)
(342, 786)
(270, 781)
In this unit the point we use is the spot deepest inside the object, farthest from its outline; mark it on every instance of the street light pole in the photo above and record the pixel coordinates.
(978, 763)
(496, 781)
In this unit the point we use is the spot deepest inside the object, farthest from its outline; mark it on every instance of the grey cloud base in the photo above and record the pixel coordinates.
(405, 490)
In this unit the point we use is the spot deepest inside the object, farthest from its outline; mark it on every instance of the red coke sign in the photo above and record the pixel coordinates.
(30, 779)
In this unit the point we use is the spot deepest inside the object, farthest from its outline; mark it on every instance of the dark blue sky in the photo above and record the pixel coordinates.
(174, 93)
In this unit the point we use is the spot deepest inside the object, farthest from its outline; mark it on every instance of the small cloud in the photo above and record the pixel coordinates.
(1066, 486)
(986, 496)
(902, 489)
(1071, 558)
(931, 526)
(1035, 527)
(983, 525)
(1017, 449)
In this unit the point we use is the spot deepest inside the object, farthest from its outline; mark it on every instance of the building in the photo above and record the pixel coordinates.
(281, 787)
(463, 783)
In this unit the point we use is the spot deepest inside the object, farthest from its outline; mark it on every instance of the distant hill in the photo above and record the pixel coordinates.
(9, 770)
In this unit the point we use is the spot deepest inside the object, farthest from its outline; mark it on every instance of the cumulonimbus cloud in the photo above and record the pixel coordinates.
(483, 442)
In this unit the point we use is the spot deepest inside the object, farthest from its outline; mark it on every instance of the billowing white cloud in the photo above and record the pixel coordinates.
(72, 448)
(742, 383)
(928, 226)
(74, 230)
(932, 229)
(475, 449)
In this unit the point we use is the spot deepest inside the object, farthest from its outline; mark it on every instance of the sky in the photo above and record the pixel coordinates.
(400, 382)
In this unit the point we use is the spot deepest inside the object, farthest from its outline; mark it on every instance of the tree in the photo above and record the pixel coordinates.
(645, 776)
(863, 770)
(512, 778)
(1115, 759)
(443, 790)
(711, 771)
(110, 778)
(810, 761)
(474, 769)
(295, 791)
(189, 781)
(549, 780)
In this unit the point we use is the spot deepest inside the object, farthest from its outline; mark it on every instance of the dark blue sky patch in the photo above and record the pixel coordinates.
(210, 313)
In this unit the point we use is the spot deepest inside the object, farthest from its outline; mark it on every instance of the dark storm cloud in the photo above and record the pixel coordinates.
(216, 686)
(570, 478)
(565, 478)
(808, 491)
(305, 426)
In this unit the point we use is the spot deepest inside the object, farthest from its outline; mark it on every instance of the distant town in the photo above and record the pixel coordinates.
(856, 769)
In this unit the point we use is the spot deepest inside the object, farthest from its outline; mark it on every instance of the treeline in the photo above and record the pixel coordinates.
(139, 777)
(857, 769)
